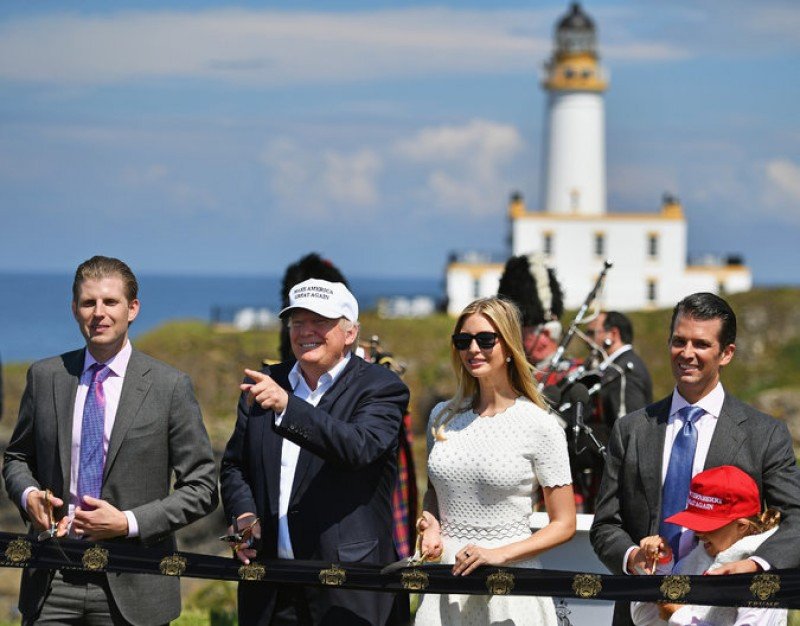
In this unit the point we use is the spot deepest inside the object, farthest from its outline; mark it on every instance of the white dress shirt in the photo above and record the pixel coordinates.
(613, 357)
(290, 451)
(711, 403)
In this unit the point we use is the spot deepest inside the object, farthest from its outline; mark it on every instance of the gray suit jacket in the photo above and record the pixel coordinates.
(629, 502)
(158, 432)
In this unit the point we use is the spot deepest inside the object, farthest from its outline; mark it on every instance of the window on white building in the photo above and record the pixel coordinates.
(652, 291)
(547, 243)
(652, 245)
(599, 244)
(476, 288)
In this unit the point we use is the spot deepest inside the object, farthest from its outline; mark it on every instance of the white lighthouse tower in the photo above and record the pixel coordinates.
(574, 180)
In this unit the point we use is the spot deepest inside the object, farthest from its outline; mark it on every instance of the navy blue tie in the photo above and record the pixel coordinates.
(679, 475)
(90, 468)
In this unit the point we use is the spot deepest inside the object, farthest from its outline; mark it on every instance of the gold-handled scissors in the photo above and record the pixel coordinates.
(416, 559)
(240, 538)
(48, 506)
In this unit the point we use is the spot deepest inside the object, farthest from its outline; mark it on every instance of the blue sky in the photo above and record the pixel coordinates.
(206, 137)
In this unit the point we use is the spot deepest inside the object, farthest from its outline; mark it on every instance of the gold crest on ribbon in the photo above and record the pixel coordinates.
(675, 587)
(252, 571)
(95, 558)
(414, 580)
(500, 583)
(18, 551)
(764, 586)
(586, 585)
(334, 576)
(174, 565)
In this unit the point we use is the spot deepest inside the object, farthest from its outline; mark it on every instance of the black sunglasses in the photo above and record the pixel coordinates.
(485, 340)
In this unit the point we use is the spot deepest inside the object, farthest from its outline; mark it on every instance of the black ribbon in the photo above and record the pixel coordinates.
(773, 589)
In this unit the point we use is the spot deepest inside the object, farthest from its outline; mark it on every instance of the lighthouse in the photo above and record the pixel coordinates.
(574, 160)
(571, 227)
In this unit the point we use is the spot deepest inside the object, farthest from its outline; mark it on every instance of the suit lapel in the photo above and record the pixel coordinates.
(272, 443)
(728, 435)
(650, 451)
(134, 389)
(306, 461)
(65, 388)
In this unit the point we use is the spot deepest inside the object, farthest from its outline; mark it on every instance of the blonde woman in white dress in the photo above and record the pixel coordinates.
(490, 448)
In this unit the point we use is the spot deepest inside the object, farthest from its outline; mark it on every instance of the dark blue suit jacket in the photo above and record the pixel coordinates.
(340, 507)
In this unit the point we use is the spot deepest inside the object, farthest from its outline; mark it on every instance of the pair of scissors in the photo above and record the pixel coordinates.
(240, 538)
(51, 532)
(415, 560)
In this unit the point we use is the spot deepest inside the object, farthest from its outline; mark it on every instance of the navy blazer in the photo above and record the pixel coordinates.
(340, 506)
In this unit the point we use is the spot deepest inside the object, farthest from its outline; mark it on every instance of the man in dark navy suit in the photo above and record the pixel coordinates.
(313, 458)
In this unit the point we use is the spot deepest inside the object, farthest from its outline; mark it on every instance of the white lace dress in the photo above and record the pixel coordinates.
(485, 476)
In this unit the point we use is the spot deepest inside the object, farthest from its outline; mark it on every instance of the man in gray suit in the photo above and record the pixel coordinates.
(104, 430)
(639, 488)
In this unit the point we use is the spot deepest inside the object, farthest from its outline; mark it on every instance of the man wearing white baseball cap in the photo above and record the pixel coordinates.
(311, 465)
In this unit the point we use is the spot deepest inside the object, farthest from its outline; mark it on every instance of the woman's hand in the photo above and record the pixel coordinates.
(470, 557)
(428, 529)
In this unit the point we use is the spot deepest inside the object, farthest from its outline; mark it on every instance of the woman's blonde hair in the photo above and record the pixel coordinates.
(506, 319)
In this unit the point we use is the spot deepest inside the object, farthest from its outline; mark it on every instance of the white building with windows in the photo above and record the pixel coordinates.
(573, 228)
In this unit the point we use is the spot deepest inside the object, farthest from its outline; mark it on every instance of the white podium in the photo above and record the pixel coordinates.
(577, 556)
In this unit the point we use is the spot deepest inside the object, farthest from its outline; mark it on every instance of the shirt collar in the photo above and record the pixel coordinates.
(117, 364)
(327, 379)
(613, 357)
(711, 403)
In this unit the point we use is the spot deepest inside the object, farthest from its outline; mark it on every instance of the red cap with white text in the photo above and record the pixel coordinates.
(717, 497)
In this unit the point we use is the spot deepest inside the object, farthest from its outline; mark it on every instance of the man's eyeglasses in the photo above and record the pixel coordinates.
(485, 340)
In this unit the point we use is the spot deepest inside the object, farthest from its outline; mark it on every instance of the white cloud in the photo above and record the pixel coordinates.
(464, 163)
(319, 181)
(275, 48)
(351, 178)
(785, 175)
(781, 196)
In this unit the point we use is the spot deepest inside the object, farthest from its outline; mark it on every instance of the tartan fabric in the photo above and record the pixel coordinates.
(404, 497)
(555, 376)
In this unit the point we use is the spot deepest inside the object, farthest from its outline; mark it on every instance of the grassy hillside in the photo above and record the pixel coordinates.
(767, 359)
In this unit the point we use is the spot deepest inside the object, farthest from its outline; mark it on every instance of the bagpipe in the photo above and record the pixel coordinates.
(774, 589)
(573, 398)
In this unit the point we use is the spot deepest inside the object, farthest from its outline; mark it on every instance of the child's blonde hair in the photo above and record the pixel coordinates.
(764, 521)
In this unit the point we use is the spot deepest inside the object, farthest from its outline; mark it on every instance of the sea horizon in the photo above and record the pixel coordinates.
(36, 320)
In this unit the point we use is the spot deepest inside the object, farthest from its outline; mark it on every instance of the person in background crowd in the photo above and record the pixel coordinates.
(105, 429)
(534, 288)
(310, 467)
(654, 452)
(489, 449)
(724, 512)
(625, 382)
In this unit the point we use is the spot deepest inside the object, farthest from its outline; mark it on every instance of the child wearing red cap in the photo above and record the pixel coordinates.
(724, 511)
